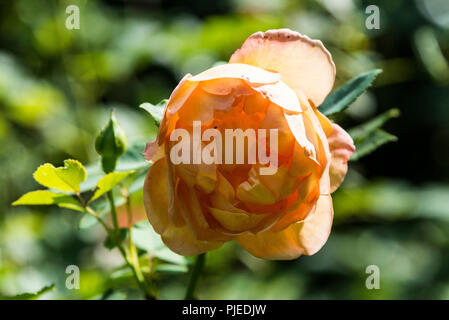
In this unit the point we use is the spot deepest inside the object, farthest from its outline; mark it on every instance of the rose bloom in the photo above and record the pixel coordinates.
(275, 80)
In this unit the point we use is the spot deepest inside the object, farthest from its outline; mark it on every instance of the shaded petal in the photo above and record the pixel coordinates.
(282, 245)
(236, 221)
(297, 124)
(274, 119)
(304, 64)
(341, 148)
(178, 239)
(195, 215)
(182, 241)
(254, 191)
(155, 196)
(305, 237)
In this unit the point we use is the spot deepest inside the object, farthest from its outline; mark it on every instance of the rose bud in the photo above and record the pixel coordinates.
(110, 143)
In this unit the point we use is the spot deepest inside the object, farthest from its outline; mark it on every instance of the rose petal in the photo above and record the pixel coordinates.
(305, 237)
(282, 245)
(314, 231)
(247, 72)
(182, 241)
(297, 124)
(236, 221)
(341, 147)
(178, 239)
(304, 64)
(280, 94)
(155, 196)
(195, 217)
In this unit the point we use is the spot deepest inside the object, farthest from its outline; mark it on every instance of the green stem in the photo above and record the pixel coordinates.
(196, 271)
(111, 233)
(133, 256)
(113, 210)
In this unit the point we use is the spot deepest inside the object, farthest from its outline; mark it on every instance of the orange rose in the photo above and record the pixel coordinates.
(275, 81)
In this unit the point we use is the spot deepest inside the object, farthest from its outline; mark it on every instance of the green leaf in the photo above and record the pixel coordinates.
(47, 197)
(368, 136)
(30, 296)
(156, 111)
(110, 243)
(109, 181)
(376, 139)
(365, 129)
(341, 98)
(146, 239)
(66, 178)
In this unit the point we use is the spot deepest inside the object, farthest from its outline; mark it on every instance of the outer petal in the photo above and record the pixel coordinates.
(341, 148)
(282, 245)
(305, 237)
(178, 97)
(178, 239)
(155, 197)
(246, 72)
(314, 231)
(304, 64)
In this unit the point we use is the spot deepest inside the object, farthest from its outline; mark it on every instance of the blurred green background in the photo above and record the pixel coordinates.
(58, 85)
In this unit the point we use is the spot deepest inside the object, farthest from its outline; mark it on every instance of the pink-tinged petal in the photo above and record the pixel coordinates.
(314, 231)
(341, 148)
(153, 151)
(303, 63)
(249, 73)
(178, 239)
(150, 150)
